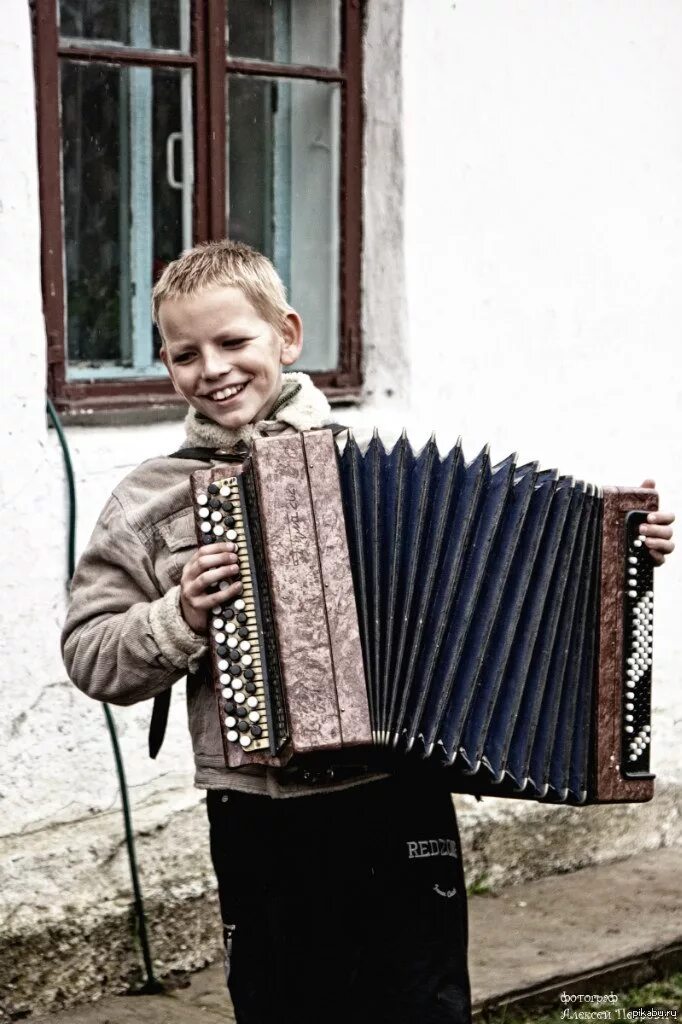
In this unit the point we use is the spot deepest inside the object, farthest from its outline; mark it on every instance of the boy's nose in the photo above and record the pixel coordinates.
(215, 364)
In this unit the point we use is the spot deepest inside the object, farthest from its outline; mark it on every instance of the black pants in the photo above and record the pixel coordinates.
(347, 908)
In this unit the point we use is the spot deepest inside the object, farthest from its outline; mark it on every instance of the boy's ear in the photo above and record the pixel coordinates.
(292, 338)
(163, 355)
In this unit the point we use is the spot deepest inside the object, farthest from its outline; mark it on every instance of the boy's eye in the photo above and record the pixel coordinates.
(183, 357)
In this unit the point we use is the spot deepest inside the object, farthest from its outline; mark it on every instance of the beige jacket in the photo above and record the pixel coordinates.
(125, 639)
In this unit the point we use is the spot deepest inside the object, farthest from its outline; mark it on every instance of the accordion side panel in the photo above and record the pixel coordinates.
(609, 783)
(337, 588)
(288, 530)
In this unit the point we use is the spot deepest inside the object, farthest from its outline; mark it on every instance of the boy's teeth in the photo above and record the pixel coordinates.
(227, 392)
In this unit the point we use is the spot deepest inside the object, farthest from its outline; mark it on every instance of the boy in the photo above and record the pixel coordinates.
(329, 914)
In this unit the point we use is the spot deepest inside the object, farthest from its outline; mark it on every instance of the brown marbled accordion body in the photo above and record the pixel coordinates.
(610, 785)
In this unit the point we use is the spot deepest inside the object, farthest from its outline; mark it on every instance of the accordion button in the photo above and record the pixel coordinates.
(632, 593)
(227, 506)
(243, 726)
(225, 679)
(239, 605)
(229, 521)
(225, 491)
(227, 693)
(214, 504)
(629, 707)
(203, 513)
(647, 728)
(213, 488)
(231, 534)
(236, 683)
(235, 670)
(205, 527)
(221, 649)
(233, 736)
(230, 722)
(245, 741)
(256, 731)
(241, 712)
(245, 645)
(216, 517)
(202, 499)
(219, 530)
(220, 638)
(239, 698)
(628, 728)
(247, 659)
(249, 673)
(224, 585)
(235, 655)
(232, 641)
(218, 623)
(242, 618)
(628, 718)
(223, 665)
(250, 686)
(243, 631)
(229, 613)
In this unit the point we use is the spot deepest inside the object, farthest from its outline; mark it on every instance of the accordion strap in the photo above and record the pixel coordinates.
(159, 719)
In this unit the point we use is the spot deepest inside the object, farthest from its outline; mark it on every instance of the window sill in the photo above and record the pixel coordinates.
(131, 417)
(97, 415)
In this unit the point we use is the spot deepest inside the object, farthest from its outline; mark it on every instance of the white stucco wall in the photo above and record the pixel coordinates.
(531, 303)
(543, 249)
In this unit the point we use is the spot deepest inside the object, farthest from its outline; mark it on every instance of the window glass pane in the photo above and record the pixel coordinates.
(283, 194)
(284, 31)
(146, 24)
(127, 181)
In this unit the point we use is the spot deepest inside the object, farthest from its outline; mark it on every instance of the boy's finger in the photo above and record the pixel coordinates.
(654, 530)
(649, 484)
(664, 518)
(221, 572)
(219, 597)
(659, 544)
(200, 563)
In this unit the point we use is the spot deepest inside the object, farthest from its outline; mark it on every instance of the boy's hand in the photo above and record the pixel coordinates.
(212, 564)
(657, 531)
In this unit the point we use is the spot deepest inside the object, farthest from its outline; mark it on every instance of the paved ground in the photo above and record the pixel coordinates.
(596, 930)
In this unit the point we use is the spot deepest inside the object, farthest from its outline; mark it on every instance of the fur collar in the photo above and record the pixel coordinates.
(300, 406)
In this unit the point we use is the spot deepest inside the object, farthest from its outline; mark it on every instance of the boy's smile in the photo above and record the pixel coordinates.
(223, 357)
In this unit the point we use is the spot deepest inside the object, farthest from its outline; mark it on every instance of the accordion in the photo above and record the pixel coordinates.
(494, 621)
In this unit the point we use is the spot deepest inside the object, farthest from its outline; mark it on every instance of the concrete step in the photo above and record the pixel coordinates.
(595, 930)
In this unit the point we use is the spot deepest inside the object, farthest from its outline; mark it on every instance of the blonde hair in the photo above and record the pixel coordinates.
(225, 263)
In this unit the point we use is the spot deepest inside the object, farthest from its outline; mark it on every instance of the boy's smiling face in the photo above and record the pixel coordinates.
(223, 357)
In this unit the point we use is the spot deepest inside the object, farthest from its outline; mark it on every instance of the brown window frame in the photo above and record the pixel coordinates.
(210, 63)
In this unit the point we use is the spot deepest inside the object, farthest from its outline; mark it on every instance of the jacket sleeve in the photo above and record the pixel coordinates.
(123, 640)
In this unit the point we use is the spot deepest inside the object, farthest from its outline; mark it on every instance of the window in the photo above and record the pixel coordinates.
(165, 122)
